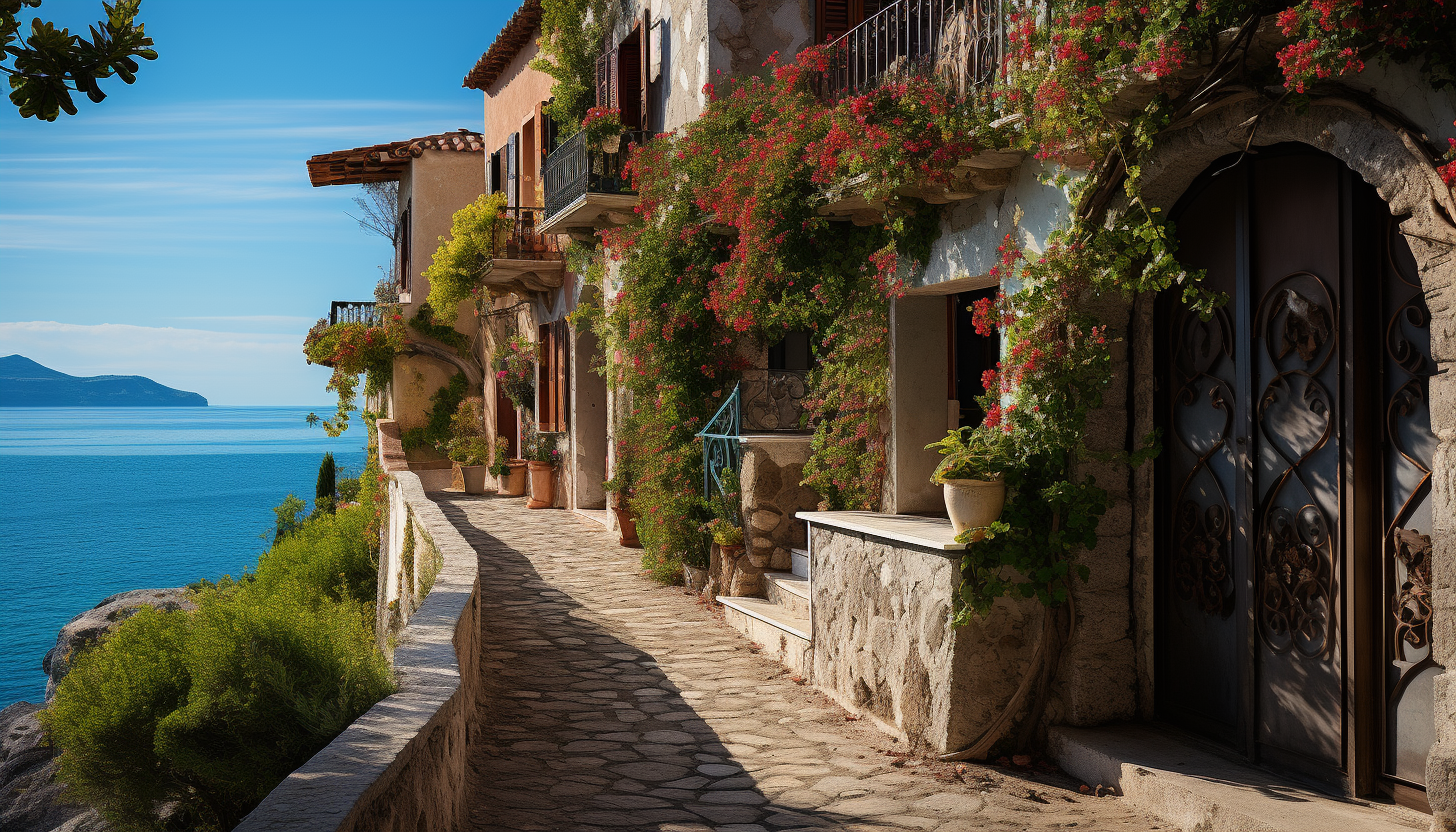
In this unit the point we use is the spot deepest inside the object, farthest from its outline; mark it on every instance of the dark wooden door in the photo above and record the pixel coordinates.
(1280, 497)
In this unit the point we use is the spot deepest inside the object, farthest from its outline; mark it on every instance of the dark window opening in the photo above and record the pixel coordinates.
(970, 355)
(792, 353)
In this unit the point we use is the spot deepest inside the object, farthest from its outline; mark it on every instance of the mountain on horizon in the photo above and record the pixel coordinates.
(24, 383)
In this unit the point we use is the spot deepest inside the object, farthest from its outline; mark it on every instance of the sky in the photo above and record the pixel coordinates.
(170, 231)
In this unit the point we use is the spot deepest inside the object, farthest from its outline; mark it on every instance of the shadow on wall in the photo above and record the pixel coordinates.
(581, 730)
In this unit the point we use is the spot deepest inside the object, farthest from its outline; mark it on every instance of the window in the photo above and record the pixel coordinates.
(621, 81)
(970, 355)
(402, 251)
(552, 381)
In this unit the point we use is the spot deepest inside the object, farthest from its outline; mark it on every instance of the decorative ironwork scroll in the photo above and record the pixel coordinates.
(959, 41)
(1204, 408)
(773, 400)
(1412, 605)
(1295, 548)
(721, 449)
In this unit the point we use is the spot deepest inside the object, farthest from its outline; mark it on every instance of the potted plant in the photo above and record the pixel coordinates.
(514, 360)
(542, 457)
(603, 127)
(467, 448)
(510, 474)
(620, 487)
(971, 477)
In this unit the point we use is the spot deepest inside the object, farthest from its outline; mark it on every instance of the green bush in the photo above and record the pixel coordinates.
(209, 710)
(325, 488)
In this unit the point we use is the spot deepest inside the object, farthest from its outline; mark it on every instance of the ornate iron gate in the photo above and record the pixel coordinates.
(1285, 486)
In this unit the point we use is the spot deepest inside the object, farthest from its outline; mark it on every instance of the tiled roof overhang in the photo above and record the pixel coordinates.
(514, 37)
(384, 162)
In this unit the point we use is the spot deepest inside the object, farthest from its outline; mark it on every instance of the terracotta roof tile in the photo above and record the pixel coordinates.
(384, 162)
(509, 43)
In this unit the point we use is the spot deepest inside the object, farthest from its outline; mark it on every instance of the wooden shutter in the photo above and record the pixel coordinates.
(562, 340)
(513, 170)
(644, 69)
(833, 18)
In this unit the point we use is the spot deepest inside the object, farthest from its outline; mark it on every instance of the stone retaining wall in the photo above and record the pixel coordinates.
(401, 766)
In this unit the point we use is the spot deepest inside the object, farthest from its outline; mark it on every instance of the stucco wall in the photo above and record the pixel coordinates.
(885, 646)
(435, 185)
(401, 766)
(509, 103)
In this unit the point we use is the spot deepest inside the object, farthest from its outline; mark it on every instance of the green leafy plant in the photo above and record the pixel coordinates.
(602, 123)
(573, 33)
(724, 532)
(541, 446)
(425, 323)
(436, 430)
(326, 488)
(972, 454)
(500, 462)
(354, 349)
(463, 259)
(47, 65)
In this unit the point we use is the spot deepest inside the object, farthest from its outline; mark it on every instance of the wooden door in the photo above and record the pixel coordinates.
(1275, 472)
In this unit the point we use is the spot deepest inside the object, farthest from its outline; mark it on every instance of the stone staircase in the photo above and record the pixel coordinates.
(781, 620)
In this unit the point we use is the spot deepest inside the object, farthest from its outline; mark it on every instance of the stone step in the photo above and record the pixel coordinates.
(785, 638)
(789, 591)
(1167, 774)
(800, 561)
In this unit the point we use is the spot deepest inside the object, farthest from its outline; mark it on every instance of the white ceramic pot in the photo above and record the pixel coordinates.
(974, 503)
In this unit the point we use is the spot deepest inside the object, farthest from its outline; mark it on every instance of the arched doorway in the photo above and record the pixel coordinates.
(1293, 497)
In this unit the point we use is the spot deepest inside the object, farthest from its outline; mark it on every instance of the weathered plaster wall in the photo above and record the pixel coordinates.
(885, 646)
(744, 33)
(972, 230)
(512, 100)
(685, 59)
(401, 766)
(773, 468)
(435, 185)
(588, 424)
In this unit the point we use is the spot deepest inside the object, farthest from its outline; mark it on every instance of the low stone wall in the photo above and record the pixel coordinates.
(885, 646)
(401, 766)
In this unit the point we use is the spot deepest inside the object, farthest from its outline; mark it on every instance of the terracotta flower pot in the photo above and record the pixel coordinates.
(627, 527)
(543, 484)
(473, 478)
(973, 504)
(514, 483)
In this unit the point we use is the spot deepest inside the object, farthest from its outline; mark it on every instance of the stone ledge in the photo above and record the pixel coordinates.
(401, 766)
(1159, 772)
(925, 532)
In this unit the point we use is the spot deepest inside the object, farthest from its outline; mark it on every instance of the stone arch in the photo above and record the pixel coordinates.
(1391, 158)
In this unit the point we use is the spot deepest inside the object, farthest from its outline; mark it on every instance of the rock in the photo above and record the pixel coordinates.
(30, 798)
(87, 628)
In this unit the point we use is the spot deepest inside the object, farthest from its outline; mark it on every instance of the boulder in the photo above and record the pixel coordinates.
(87, 628)
(30, 798)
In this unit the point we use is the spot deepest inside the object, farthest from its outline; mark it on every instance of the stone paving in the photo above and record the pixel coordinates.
(613, 703)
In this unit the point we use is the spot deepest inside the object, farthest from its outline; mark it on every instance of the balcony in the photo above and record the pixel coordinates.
(587, 188)
(526, 258)
(354, 312)
(961, 43)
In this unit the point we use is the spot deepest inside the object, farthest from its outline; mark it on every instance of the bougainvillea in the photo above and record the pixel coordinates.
(354, 349)
(514, 362)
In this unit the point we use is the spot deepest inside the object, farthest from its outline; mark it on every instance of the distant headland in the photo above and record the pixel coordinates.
(24, 383)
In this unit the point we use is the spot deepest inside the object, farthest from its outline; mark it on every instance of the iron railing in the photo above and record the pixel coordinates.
(960, 42)
(575, 169)
(354, 312)
(720, 445)
(521, 241)
(773, 400)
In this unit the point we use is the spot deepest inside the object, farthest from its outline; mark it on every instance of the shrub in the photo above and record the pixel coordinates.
(436, 431)
(324, 489)
(462, 260)
(204, 712)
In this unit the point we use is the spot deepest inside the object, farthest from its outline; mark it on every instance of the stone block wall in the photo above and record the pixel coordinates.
(773, 468)
(885, 645)
(401, 766)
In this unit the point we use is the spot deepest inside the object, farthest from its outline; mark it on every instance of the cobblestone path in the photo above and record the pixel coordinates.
(612, 703)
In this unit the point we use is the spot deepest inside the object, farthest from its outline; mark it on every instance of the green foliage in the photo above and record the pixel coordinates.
(105, 714)
(467, 444)
(463, 260)
(570, 46)
(500, 462)
(47, 65)
(289, 514)
(436, 430)
(541, 446)
(425, 323)
(972, 454)
(209, 710)
(514, 361)
(352, 349)
(326, 489)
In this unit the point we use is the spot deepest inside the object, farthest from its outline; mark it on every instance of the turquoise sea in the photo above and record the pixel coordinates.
(103, 500)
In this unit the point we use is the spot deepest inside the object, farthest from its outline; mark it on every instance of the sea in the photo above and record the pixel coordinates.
(97, 501)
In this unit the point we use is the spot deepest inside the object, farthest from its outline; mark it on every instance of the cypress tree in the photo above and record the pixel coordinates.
(324, 491)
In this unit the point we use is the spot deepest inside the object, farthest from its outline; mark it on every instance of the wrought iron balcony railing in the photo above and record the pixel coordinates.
(521, 241)
(961, 42)
(576, 169)
(354, 312)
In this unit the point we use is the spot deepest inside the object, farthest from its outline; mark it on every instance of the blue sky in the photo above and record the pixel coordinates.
(171, 232)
